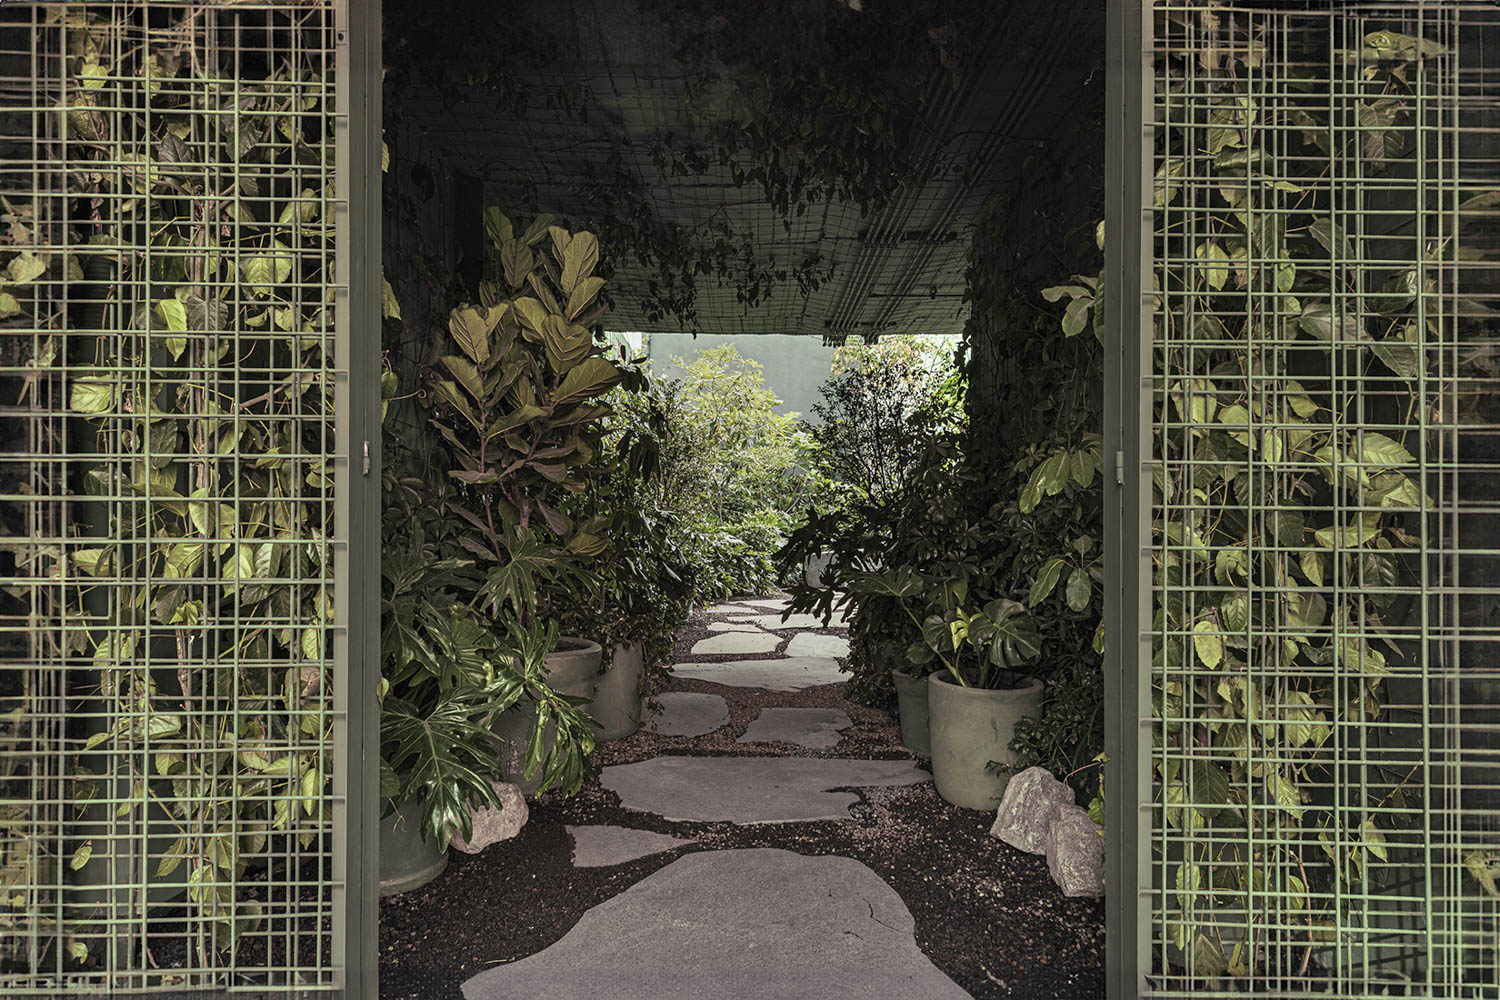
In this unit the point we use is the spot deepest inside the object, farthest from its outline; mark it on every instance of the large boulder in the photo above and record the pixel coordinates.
(1032, 798)
(1075, 852)
(493, 825)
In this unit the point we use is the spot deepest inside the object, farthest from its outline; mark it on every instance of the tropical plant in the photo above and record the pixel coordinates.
(877, 405)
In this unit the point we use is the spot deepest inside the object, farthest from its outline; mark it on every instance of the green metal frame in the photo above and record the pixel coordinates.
(1303, 536)
(192, 210)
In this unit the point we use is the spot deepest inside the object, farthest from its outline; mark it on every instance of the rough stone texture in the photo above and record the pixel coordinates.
(775, 603)
(1075, 852)
(792, 673)
(730, 609)
(687, 713)
(793, 622)
(733, 627)
(749, 790)
(493, 825)
(1032, 798)
(813, 644)
(599, 846)
(761, 924)
(737, 642)
(815, 728)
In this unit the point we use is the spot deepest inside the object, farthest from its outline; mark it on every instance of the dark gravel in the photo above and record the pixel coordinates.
(986, 914)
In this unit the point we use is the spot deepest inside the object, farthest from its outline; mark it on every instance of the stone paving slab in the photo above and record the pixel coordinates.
(730, 609)
(734, 627)
(791, 673)
(814, 728)
(689, 713)
(776, 603)
(600, 846)
(814, 644)
(760, 924)
(750, 790)
(737, 642)
(793, 622)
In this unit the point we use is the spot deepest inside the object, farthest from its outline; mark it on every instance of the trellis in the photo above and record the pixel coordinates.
(1303, 783)
(182, 710)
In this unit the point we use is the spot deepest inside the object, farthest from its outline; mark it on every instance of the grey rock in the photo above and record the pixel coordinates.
(793, 622)
(1032, 798)
(815, 728)
(493, 825)
(733, 627)
(749, 790)
(813, 644)
(792, 673)
(730, 609)
(599, 846)
(774, 603)
(737, 642)
(759, 924)
(1075, 852)
(688, 713)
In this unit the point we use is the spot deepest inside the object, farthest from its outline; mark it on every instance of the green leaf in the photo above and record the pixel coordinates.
(1079, 590)
(579, 258)
(497, 226)
(589, 378)
(1217, 261)
(583, 294)
(1377, 449)
(79, 950)
(1045, 581)
(1208, 643)
(92, 396)
(390, 308)
(82, 854)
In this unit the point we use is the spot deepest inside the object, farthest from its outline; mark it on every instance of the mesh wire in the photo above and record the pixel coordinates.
(167, 380)
(1326, 546)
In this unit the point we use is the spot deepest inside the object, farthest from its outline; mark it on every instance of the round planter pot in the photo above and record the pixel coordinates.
(911, 708)
(406, 860)
(969, 727)
(573, 669)
(816, 566)
(617, 697)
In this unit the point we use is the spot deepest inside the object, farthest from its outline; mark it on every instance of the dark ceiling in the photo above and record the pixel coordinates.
(899, 269)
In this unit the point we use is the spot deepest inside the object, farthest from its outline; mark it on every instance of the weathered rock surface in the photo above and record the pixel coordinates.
(758, 924)
(791, 673)
(730, 609)
(598, 846)
(792, 622)
(733, 627)
(748, 790)
(493, 825)
(1075, 853)
(689, 713)
(813, 644)
(1032, 798)
(815, 728)
(737, 642)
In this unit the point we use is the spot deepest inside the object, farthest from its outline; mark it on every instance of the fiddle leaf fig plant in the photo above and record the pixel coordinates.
(517, 389)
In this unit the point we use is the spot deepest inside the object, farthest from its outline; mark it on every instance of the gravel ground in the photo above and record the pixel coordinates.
(986, 914)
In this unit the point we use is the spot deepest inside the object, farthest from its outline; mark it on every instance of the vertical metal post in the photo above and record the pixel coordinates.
(359, 344)
(1126, 498)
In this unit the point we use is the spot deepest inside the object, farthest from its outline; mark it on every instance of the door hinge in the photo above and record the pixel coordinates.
(367, 458)
(1119, 468)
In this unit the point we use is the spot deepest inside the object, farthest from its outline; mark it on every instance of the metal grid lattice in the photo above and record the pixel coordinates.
(1325, 455)
(171, 607)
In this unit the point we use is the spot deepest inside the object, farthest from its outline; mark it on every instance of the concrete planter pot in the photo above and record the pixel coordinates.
(407, 861)
(969, 727)
(815, 567)
(617, 697)
(572, 668)
(911, 708)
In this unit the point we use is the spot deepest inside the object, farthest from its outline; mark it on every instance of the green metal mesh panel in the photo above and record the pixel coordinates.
(168, 375)
(1326, 460)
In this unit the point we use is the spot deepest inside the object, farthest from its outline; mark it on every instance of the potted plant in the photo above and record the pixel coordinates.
(645, 581)
(515, 397)
(978, 691)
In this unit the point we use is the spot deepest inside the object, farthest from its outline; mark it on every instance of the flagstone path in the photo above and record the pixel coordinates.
(760, 837)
